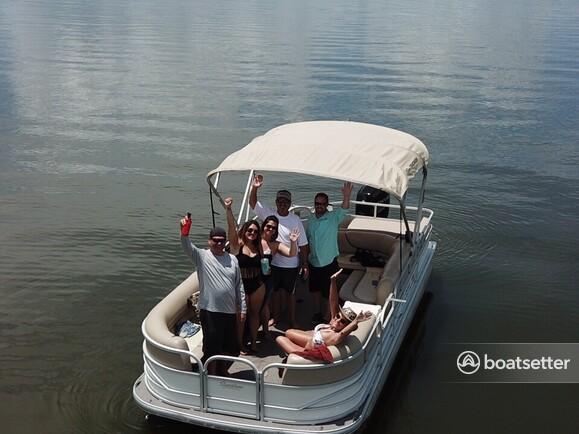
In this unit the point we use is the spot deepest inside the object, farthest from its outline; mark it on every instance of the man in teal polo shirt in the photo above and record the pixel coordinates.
(322, 234)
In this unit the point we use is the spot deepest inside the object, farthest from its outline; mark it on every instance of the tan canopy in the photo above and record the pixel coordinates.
(349, 151)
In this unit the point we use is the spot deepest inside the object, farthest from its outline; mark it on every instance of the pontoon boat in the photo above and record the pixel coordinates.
(262, 395)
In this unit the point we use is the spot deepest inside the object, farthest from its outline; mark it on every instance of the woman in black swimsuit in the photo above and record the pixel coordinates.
(249, 247)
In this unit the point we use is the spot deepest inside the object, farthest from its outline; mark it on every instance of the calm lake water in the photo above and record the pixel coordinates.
(112, 112)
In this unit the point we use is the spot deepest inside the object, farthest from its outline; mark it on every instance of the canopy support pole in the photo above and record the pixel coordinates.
(212, 209)
(420, 202)
(408, 234)
(212, 191)
(244, 202)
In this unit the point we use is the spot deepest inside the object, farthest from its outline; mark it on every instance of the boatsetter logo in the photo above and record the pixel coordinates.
(468, 363)
(514, 363)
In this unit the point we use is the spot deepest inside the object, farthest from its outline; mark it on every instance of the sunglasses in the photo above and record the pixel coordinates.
(343, 320)
(270, 227)
(218, 240)
(251, 231)
(320, 203)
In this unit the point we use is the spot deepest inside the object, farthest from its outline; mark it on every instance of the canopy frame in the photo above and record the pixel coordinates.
(408, 154)
(410, 236)
(356, 152)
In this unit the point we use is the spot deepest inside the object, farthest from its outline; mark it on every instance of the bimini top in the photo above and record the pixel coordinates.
(348, 151)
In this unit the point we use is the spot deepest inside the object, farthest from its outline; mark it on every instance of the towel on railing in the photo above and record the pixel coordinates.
(320, 352)
(188, 329)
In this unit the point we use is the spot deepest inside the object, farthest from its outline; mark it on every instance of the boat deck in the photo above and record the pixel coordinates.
(268, 351)
(238, 404)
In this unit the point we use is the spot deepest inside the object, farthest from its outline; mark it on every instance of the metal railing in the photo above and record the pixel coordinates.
(378, 327)
(385, 318)
(258, 384)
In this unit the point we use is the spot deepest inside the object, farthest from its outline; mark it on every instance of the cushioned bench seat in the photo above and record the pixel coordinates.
(382, 238)
(162, 320)
(361, 286)
(349, 241)
(350, 284)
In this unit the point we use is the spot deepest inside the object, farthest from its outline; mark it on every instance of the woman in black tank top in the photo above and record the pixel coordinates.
(245, 244)
(250, 245)
(250, 270)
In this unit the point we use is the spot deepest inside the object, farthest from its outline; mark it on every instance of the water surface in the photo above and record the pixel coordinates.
(111, 114)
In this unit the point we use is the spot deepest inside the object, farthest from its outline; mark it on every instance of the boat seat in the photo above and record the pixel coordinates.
(351, 283)
(361, 286)
(161, 322)
(351, 240)
(329, 374)
(374, 285)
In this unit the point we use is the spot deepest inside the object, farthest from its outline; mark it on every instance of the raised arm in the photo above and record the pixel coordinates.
(231, 227)
(346, 193)
(334, 299)
(188, 247)
(362, 316)
(348, 329)
(290, 251)
(257, 183)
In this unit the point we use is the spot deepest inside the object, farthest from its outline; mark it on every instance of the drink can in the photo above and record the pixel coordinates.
(265, 268)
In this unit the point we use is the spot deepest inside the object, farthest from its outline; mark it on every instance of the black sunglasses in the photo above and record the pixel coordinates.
(343, 320)
(251, 231)
(218, 240)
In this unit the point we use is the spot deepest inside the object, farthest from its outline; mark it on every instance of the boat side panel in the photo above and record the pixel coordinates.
(232, 396)
(174, 397)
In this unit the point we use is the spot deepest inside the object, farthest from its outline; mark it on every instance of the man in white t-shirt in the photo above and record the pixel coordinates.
(284, 270)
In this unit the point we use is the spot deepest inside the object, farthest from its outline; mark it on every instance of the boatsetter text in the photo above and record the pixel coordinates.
(545, 362)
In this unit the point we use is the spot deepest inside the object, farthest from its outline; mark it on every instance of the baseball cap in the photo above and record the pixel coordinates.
(283, 194)
(217, 232)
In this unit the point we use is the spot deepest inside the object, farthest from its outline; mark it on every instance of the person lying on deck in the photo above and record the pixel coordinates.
(314, 343)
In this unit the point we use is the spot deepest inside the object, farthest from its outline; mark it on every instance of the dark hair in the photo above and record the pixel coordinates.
(271, 218)
(245, 227)
(324, 195)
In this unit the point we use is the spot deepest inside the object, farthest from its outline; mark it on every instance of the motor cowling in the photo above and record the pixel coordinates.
(371, 194)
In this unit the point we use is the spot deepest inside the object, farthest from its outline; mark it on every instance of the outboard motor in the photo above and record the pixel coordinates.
(371, 194)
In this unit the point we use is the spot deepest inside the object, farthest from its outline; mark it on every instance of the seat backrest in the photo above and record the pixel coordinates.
(162, 320)
(350, 240)
(391, 272)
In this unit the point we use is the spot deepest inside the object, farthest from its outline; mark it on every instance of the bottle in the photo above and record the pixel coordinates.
(186, 227)
(265, 268)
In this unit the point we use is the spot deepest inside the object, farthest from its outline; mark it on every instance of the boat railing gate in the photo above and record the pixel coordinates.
(382, 326)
